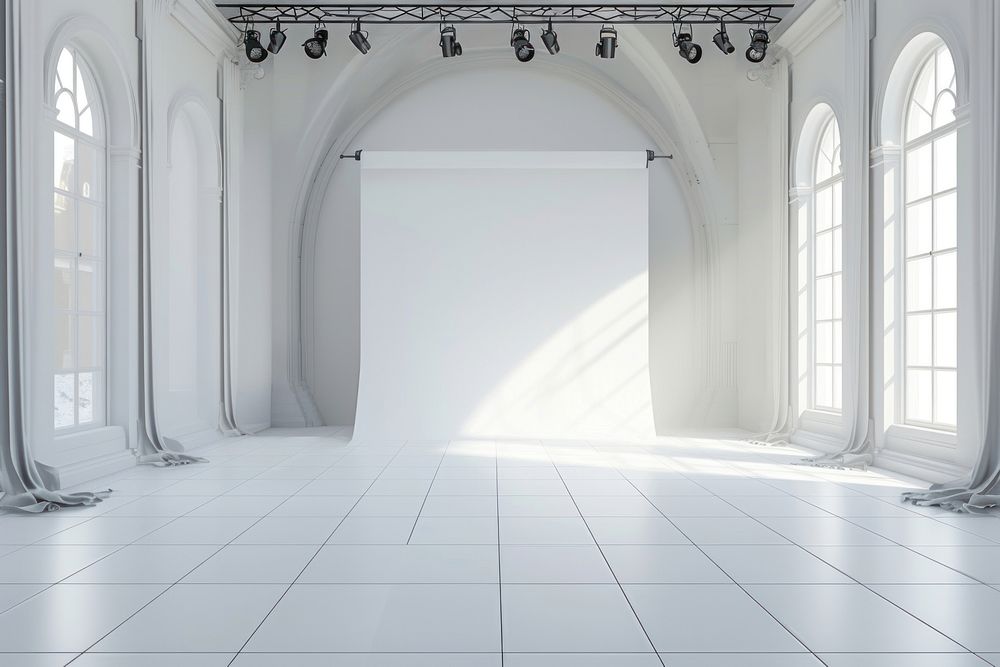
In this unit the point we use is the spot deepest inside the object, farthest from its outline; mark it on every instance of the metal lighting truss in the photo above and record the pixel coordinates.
(758, 15)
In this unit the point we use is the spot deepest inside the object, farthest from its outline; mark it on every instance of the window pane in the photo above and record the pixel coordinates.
(918, 173)
(945, 398)
(918, 122)
(946, 221)
(824, 387)
(824, 253)
(90, 177)
(86, 395)
(63, 338)
(65, 109)
(838, 246)
(87, 122)
(63, 283)
(945, 162)
(838, 391)
(945, 340)
(918, 229)
(945, 69)
(838, 343)
(824, 342)
(91, 341)
(91, 230)
(65, 399)
(823, 209)
(62, 170)
(918, 340)
(64, 70)
(838, 201)
(918, 396)
(824, 301)
(64, 232)
(89, 286)
(918, 284)
(945, 281)
(944, 111)
(837, 297)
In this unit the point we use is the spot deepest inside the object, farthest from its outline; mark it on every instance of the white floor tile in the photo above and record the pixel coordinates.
(335, 487)
(399, 487)
(710, 530)
(268, 487)
(774, 564)
(539, 531)
(921, 531)
(538, 506)
(386, 618)
(403, 564)
(195, 618)
(670, 487)
(741, 659)
(980, 563)
(570, 618)
(26, 530)
(694, 506)
(108, 530)
(901, 660)
(635, 530)
(455, 530)
(452, 486)
(368, 660)
(145, 564)
(776, 506)
(316, 506)
(854, 506)
(48, 564)
(475, 506)
(98, 609)
(289, 530)
(554, 565)
(532, 487)
(958, 611)
(199, 530)
(168, 506)
(253, 564)
(841, 618)
(38, 659)
(616, 506)
(373, 530)
(889, 565)
(400, 506)
(696, 618)
(581, 660)
(659, 564)
(153, 659)
(823, 532)
(12, 594)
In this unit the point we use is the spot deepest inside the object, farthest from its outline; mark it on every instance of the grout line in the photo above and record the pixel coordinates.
(426, 495)
(496, 479)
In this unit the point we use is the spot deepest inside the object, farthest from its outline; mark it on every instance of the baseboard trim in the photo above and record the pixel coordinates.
(71, 474)
(919, 467)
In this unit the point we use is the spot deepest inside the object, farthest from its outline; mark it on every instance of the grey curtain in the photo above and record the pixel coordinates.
(22, 486)
(153, 448)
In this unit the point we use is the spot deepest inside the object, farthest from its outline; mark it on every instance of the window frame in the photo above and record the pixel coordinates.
(98, 142)
(902, 259)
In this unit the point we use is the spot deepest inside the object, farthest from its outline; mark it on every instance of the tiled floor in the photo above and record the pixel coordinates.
(684, 551)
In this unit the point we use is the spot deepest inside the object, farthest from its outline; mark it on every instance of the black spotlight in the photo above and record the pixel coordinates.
(608, 42)
(360, 39)
(520, 40)
(759, 40)
(315, 46)
(255, 50)
(689, 51)
(277, 39)
(449, 42)
(550, 39)
(721, 40)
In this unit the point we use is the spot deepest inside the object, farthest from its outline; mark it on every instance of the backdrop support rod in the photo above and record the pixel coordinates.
(650, 156)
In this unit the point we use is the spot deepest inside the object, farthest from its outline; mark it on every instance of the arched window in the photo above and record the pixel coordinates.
(929, 245)
(826, 239)
(79, 247)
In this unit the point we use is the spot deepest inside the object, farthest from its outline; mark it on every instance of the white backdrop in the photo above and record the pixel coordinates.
(504, 294)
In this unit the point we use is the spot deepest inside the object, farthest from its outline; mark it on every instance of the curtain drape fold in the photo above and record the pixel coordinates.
(979, 492)
(22, 486)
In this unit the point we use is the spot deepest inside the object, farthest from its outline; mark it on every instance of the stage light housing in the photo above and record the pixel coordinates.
(449, 44)
(520, 40)
(686, 47)
(759, 39)
(607, 43)
(550, 39)
(256, 52)
(277, 39)
(721, 40)
(359, 38)
(315, 46)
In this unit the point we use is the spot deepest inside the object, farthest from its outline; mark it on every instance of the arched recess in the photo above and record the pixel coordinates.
(186, 275)
(364, 88)
(105, 447)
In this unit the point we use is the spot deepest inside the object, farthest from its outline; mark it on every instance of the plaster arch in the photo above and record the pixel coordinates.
(890, 102)
(340, 116)
(98, 44)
